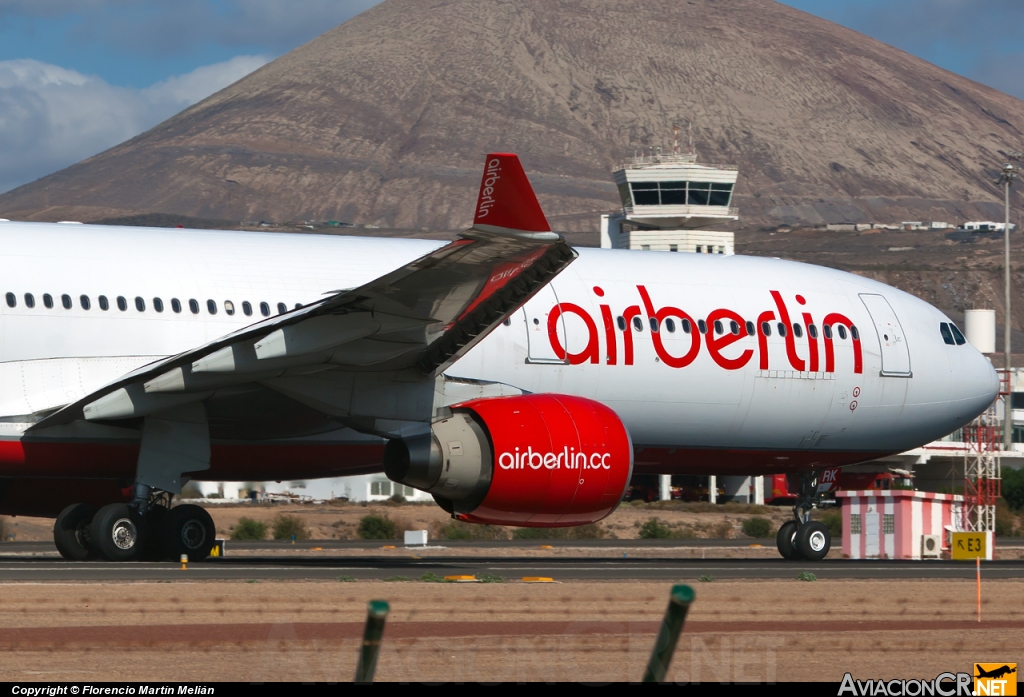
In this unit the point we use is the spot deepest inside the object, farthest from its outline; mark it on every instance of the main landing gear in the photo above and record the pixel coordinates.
(803, 538)
(145, 529)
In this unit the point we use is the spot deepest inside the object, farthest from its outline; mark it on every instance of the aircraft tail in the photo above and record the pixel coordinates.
(507, 202)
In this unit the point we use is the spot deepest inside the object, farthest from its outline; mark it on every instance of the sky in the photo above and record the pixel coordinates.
(80, 76)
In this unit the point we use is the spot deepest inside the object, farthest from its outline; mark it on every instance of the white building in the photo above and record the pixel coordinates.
(666, 200)
(368, 487)
(986, 226)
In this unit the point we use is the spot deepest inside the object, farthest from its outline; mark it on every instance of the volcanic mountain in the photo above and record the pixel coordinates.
(385, 120)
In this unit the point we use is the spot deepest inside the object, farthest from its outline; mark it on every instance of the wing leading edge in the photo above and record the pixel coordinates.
(423, 316)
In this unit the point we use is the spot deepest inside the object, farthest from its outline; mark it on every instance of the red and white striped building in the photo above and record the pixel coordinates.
(891, 524)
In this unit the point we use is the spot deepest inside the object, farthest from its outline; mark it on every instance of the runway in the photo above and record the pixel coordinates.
(407, 565)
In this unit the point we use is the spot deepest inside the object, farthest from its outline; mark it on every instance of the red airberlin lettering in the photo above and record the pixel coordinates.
(718, 344)
(566, 458)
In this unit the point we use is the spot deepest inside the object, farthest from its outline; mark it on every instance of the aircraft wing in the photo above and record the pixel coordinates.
(423, 316)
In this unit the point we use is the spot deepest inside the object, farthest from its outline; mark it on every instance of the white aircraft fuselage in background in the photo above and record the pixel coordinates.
(611, 327)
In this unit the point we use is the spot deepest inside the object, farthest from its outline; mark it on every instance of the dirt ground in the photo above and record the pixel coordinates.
(334, 521)
(737, 631)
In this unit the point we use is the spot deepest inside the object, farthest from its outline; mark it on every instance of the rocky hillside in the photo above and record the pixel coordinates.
(385, 120)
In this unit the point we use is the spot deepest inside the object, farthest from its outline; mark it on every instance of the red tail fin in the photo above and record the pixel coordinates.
(506, 197)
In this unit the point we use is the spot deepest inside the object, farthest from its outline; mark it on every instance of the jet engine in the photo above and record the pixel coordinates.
(540, 460)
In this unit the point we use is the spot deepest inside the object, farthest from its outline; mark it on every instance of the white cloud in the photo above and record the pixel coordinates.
(51, 117)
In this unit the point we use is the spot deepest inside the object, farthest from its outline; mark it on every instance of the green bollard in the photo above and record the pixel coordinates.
(668, 636)
(376, 613)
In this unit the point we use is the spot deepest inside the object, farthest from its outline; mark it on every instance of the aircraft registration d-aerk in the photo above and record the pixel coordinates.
(517, 380)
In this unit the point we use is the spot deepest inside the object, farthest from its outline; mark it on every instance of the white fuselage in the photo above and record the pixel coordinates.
(759, 401)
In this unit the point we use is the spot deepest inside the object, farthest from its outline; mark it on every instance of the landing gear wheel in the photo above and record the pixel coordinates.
(813, 540)
(117, 533)
(189, 530)
(785, 540)
(71, 532)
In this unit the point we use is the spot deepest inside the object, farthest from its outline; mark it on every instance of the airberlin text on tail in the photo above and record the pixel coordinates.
(507, 201)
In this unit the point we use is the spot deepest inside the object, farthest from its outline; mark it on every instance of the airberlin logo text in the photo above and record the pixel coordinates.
(567, 459)
(804, 339)
(492, 175)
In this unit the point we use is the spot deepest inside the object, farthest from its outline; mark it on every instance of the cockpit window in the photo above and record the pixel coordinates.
(957, 335)
(947, 336)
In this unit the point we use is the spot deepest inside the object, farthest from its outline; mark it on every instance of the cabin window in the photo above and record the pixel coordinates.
(158, 304)
(842, 331)
(65, 301)
(140, 304)
(104, 303)
(856, 334)
(246, 308)
(47, 301)
(265, 309)
(536, 322)
(30, 300)
(734, 327)
(750, 329)
(782, 329)
(685, 324)
(798, 331)
(957, 335)
(654, 325)
(281, 308)
(812, 330)
(507, 322)
(702, 326)
(175, 305)
(638, 324)
(12, 300)
(193, 306)
(828, 331)
(766, 328)
(621, 321)
(83, 300)
(211, 306)
(670, 325)
(229, 307)
(122, 304)
(719, 329)
(298, 305)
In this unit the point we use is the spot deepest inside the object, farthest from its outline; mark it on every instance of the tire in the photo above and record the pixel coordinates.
(813, 540)
(785, 540)
(71, 532)
(189, 530)
(117, 533)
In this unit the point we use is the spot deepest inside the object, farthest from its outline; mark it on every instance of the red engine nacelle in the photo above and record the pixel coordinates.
(536, 461)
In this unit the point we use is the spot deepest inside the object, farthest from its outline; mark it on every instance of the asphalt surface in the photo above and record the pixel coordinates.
(403, 564)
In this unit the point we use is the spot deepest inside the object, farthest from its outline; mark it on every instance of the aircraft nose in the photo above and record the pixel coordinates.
(977, 382)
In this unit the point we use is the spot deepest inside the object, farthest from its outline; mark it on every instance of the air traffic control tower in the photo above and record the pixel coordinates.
(668, 201)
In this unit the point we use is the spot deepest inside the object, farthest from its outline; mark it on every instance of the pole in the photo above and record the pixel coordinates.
(1008, 397)
(376, 613)
(978, 567)
(671, 627)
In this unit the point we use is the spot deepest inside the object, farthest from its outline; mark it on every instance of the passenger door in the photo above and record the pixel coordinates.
(891, 339)
(536, 313)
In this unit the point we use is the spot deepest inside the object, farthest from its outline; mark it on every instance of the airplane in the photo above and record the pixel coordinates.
(516, 379)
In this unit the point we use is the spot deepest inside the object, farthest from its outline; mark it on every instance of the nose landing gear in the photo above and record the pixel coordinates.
(803, 538)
